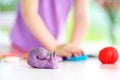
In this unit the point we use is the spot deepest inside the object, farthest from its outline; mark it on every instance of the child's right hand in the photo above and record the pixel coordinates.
(67, 50)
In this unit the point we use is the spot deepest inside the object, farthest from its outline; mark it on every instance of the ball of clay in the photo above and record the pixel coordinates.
(38, 58)
(108, 55)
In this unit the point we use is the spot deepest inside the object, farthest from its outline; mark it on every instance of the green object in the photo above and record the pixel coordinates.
(111, 14)
(69, 26)
(0, 58)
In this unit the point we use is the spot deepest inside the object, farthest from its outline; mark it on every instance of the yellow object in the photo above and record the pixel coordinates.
(0, 58)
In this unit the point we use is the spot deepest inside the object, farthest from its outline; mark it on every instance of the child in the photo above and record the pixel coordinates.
(42, 23)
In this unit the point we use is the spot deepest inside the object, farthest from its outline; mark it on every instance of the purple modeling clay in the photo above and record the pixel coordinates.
(38, 58)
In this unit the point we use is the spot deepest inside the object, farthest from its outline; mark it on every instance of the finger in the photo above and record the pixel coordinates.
(78, 53)
(81, 52)
(69, 55)
(75, 54)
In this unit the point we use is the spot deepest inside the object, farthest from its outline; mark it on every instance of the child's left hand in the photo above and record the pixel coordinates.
(75, 50)
(68, 50)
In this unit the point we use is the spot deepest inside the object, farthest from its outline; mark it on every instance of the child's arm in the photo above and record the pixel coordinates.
(36, 25)
(80, 22)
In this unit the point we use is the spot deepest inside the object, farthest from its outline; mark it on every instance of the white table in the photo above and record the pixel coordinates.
(90, 69)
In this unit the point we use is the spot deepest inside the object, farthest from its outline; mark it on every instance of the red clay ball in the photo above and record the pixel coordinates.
(108, 55)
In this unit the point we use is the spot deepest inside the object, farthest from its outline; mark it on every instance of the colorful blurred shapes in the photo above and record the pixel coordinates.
(13, 57)
(10, 57)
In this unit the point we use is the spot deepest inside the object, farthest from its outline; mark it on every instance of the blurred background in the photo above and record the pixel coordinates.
(104, 25)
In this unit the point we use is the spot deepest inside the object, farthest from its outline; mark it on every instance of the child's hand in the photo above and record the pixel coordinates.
(67, 50)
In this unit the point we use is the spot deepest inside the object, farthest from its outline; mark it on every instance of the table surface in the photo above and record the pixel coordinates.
(90, 69)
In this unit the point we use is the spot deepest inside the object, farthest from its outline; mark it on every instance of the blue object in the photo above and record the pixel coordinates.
(79, 58)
